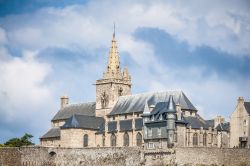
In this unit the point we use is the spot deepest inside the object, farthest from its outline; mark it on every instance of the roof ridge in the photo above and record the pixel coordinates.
(77, 104)
(147, 93)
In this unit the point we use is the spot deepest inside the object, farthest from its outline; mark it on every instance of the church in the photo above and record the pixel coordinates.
(119, 118)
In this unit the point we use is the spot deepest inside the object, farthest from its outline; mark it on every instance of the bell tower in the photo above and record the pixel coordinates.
(113, 84)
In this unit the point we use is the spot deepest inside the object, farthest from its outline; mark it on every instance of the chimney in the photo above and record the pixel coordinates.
(179, 112)
(240, 100)
(64, 101)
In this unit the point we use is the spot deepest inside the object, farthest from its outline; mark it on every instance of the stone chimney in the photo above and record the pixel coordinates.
(241, 100)
(179, 112)
(64, 101)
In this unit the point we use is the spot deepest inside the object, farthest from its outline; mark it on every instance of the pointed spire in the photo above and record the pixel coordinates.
(171, 104)
(114, 31)
(113, 68)
(126, 73)
(146, 110)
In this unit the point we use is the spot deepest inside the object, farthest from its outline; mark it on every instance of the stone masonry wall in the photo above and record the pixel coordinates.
(212, 156)
(42, 156)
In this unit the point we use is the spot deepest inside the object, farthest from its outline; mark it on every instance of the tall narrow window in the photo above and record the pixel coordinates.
(205, 139)
(125, 139)
(85, 140)
(113, 140)
(150, 132)
(138, 139)
(195, 139)
(159, 131)
(103, 140)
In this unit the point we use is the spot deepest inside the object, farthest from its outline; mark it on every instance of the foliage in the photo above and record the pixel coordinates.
(1, 145)
(18, 142)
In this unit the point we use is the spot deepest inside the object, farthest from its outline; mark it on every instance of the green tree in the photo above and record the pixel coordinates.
(18, 142)
(1, 145)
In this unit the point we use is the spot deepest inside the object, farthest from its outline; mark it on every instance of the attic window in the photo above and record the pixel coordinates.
(245, 122)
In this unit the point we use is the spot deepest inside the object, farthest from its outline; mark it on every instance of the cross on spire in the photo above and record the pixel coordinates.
(114, 31)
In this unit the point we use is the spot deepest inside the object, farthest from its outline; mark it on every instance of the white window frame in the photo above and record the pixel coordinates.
(151, 145)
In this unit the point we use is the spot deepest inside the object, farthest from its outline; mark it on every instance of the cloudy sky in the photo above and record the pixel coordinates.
(54, 47)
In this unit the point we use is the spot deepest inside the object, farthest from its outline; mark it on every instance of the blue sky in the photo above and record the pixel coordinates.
(51, 48)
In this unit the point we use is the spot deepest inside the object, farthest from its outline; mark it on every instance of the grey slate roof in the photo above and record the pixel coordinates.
(83, 121)
(112, 126)
(138, 124)
(210, 123)
(80, 109)
(125, 125)
(247, 107)
(195, 122)
(52, 133)
(136, 103)
(223, 127)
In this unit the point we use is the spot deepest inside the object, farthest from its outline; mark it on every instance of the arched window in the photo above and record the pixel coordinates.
(103, 140)
(85, 140)
(205, 139)
(138, 139)
(195, 139)
(125, 139)
(113, 140)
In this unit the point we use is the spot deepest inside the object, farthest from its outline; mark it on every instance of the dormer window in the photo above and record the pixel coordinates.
(160, 118)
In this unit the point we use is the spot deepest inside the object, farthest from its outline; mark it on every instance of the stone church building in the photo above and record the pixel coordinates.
(119, 118)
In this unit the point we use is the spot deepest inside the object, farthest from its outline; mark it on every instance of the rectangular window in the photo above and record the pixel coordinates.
(159, 131)
(150, 132)
(151, 145)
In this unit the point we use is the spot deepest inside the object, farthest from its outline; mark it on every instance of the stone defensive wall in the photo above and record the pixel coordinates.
(127, 156)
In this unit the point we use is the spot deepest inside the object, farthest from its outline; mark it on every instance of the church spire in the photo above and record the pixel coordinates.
(113, 68)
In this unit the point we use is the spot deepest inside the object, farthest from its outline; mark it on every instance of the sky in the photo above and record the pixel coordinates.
(52, 48)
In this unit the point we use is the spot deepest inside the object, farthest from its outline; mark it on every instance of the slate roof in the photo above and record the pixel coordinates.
(223, 127)
(52, 133)
(136, 103)
(210, 123)
(84, 122)
(247, 107)
(126, 125)
(80, 109)
(195, 122)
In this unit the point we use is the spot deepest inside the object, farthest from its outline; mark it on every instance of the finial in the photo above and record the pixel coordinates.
(114, 30)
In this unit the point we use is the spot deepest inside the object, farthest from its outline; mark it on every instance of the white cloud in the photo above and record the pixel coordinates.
(91, 25)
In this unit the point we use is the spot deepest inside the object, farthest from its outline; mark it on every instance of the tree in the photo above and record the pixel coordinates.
(18, 142)
(1, 145)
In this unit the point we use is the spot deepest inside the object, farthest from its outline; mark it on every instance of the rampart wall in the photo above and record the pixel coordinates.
(127, 156)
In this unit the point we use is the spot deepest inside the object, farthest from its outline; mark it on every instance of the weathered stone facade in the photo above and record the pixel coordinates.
(126, 156)
(239, 125)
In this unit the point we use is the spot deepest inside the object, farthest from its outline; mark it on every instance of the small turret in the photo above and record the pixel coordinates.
(126, 73)
(171, 118)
